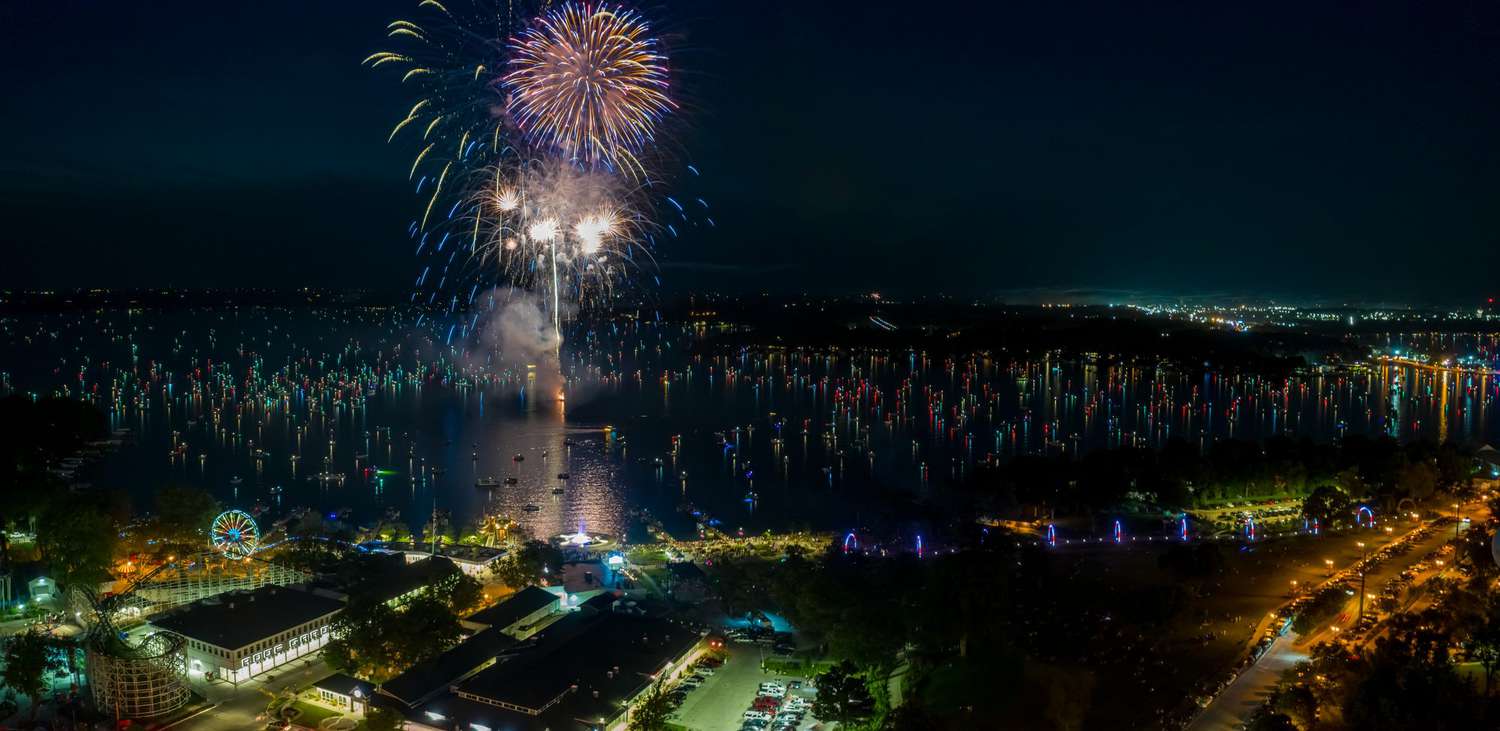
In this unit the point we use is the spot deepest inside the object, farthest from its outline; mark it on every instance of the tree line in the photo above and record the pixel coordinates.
(1181, 476)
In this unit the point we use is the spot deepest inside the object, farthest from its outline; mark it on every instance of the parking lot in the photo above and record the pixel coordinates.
(720, 703)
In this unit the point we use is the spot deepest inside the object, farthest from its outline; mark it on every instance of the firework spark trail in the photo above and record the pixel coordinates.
(549, 224)
(532, 129)
(590, 81)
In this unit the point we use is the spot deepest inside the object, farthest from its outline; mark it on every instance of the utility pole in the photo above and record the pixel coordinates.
(434, 522)
(1361, 584)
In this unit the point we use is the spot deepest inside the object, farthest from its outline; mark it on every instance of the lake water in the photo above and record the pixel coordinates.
(255, 404)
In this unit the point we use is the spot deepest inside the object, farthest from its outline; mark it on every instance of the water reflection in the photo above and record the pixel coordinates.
(354, 413)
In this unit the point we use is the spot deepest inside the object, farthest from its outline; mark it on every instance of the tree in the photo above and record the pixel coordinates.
(1411, 682)
(1297, 703)
(1272, 722)
(359, 647)
(742, 584)
(1476, 549)
(78, 541)
(842, 695)
(1322, 609)
(464, 594)
(34, 435)
(1067, 693)
(1328, 505)
(1417, 481)
(913, 715)
(651, 713)
(29, 660)
(426, 629)
(183, 517)
(377, 642)
(1484, 641)
(527, 564)
(1455, 469)
(319, 557)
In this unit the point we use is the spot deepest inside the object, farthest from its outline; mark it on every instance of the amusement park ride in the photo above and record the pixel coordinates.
(234, 535)
(145, 677)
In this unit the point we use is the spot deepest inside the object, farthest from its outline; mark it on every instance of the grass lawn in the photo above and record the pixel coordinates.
(1215, 627)
(659, 573)
(797, 666)
(311, 715)
(650, 554)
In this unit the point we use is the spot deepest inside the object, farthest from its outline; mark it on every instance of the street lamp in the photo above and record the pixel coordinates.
(1455, 520)
(1328, 564)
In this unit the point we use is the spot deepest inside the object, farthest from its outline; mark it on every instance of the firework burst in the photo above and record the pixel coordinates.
(590, 81)
(529, 151)
(449, 55)
(549, 225)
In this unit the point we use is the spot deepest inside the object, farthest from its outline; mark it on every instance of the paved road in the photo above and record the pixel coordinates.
(1232, 708)
(238, 707)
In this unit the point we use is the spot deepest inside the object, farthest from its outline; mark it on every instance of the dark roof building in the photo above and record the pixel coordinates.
(426, 679)
(346, 685)
(238, 619)
(471, 559)
(344, 692)
(408, 579)
(500, 627)
(517, 609)
(577, 673)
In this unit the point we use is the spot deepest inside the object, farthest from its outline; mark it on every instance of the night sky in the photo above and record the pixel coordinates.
(1311, 150)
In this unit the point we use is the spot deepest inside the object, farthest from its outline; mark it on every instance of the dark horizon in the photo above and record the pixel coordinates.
(1306, 154)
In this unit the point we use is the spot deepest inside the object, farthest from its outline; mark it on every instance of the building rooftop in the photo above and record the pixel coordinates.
(429, 677)
(589, 664)
(409, 577)
(346, 685)
(238, 618)
(514, 608)
(612, 653)
(457, 551)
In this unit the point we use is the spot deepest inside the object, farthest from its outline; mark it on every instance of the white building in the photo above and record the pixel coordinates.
(476, 561)
(238, 635)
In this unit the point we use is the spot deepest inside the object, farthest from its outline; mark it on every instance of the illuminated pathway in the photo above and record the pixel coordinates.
(1232, 708)
(1248, 691)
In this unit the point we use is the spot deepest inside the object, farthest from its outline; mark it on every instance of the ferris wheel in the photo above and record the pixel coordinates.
(234, 534)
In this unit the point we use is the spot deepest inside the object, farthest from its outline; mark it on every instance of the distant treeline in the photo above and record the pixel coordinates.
(68, 300)
(37, 434)
(1181, 476)
(1005, 331)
